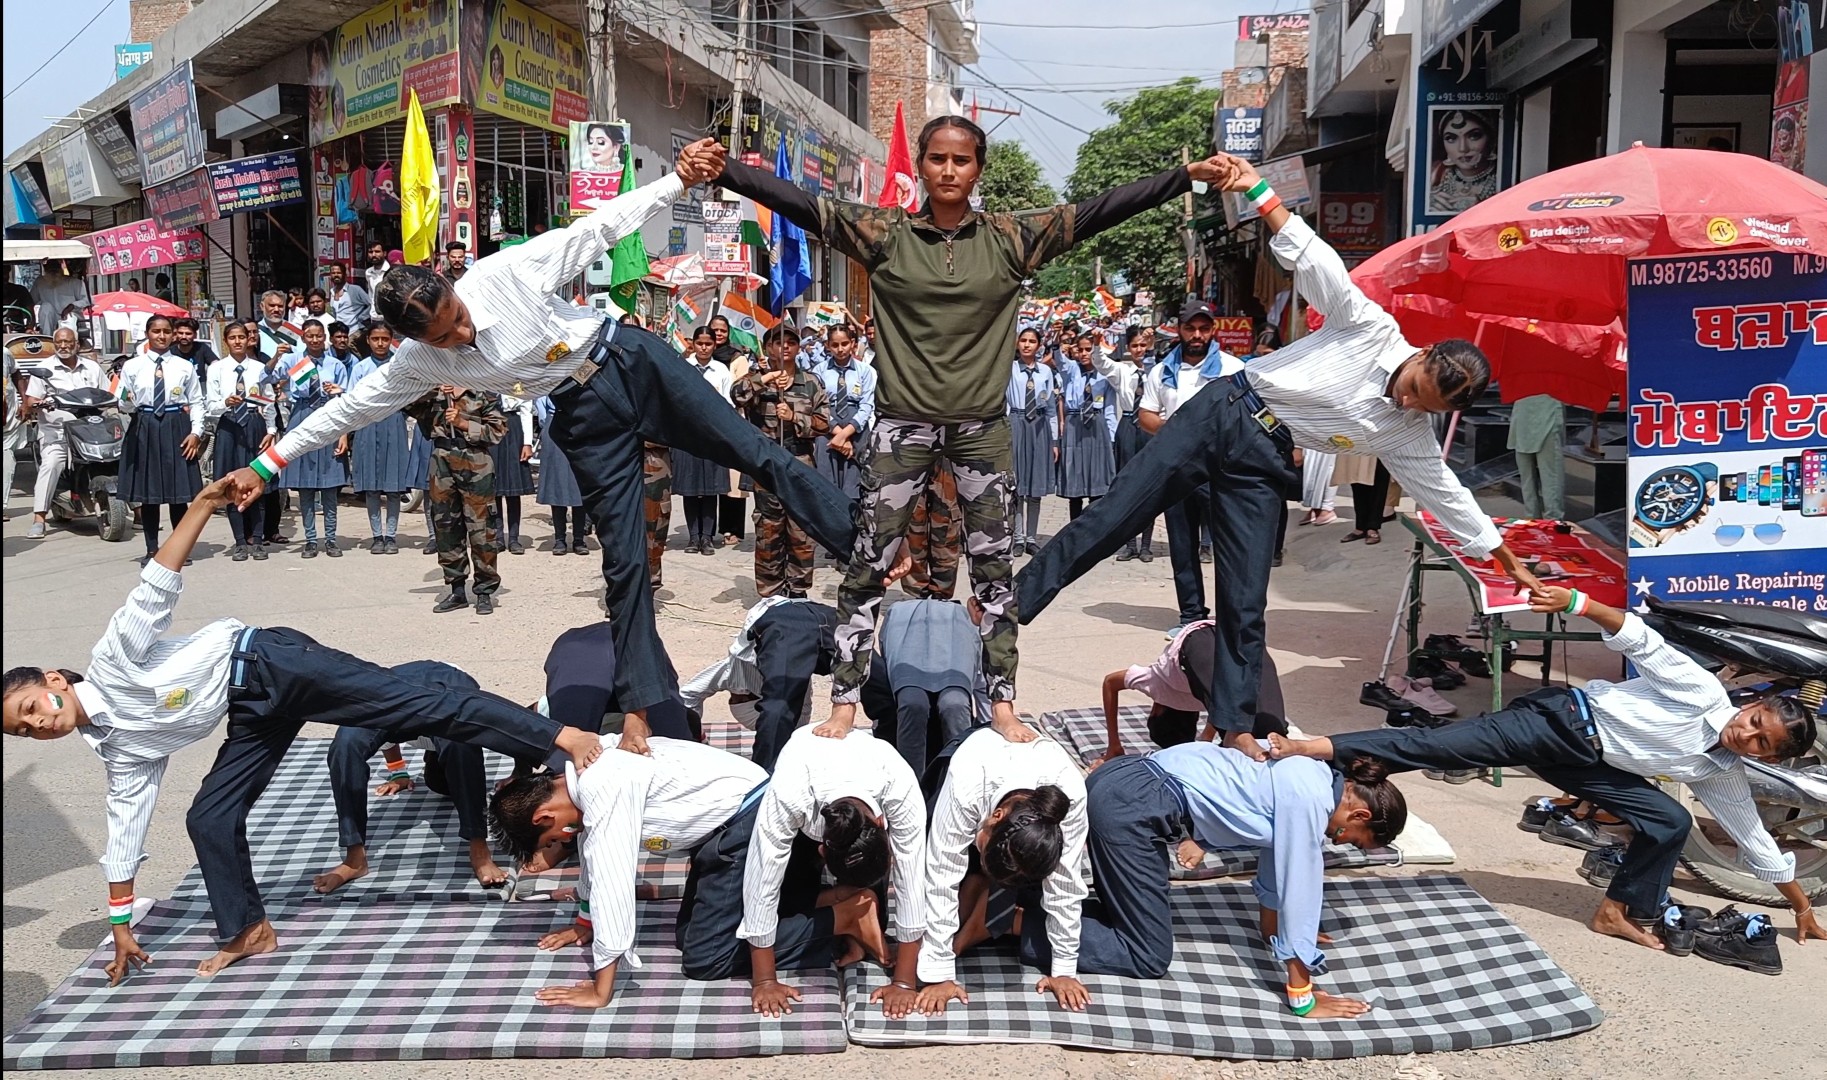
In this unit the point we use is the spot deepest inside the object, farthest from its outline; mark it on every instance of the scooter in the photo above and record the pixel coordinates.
(93, 439)
(1756, 649)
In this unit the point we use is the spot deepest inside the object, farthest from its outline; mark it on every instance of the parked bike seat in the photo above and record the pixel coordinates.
(1714, 613)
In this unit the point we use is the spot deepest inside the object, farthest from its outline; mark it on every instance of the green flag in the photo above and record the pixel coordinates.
(628, 261)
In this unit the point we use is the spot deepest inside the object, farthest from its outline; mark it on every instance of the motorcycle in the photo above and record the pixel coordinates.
(93, 439)
(1756, 649)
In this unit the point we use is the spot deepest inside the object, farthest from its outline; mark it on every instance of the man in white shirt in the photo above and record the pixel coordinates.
(503, 329)
(1605, 742)
(377, 266)
(1355, 385)
(69, 371)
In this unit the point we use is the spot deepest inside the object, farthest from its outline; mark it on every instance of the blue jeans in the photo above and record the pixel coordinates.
(373, 499)
(309, 499)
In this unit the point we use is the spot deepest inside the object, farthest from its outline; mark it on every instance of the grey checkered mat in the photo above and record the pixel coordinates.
(1444, 970)
(401, 982)
(1082, 731)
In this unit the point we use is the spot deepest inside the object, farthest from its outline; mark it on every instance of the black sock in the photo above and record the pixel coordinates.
(149, 526)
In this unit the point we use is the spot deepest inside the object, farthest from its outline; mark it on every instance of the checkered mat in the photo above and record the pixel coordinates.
(1443, 969)
(1082, 731)
(401, 982)
(414, 852)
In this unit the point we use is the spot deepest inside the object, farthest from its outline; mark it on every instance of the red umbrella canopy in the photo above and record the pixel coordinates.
(136, 303)
(1554, 247)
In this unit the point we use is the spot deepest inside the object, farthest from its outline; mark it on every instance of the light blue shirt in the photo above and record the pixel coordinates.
(1280, 808)
(859, 386)
(1044, 389)
(350, 306)
(1082, 388)
(329, 370)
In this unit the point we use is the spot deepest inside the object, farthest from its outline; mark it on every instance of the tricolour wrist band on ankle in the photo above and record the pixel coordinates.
(1300, 999)
(120, 909)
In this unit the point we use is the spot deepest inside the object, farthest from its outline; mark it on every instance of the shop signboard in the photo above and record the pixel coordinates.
(598, 153)
(1728, 428)
(761, 132)
(362, 72)
(116, 148)
(129, 57)
(166, 132)
(723, 251)
(1240, 132)
(256, 183)
(528, 66)
(56, 183)
(183, 203)
(1443, 20)
(1234, 334)
(34, 195)
(1352, 222)
(1251, 27)
(139, 244)
(1463, 141)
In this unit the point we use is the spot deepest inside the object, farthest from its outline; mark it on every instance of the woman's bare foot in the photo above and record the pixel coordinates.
(1611, 921)
(354, 865)
(1280, 746)
(256, 939)
(1189, 854)
(482, 864)
(856, 918)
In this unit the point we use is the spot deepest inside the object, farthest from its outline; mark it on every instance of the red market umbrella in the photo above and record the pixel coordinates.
(132, 303)
(1553, 248)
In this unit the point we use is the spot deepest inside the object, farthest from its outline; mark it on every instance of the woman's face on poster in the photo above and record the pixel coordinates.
(603, 155)
(1467, 143)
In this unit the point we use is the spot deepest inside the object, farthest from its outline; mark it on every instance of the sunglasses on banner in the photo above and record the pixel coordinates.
(1768, 533)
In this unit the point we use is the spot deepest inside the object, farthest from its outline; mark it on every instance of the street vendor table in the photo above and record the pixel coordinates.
(1556, 553)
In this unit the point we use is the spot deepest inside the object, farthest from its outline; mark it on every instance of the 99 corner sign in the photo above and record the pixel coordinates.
(1728, 428)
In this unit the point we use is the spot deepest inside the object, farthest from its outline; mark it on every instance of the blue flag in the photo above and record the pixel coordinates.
(788, 275)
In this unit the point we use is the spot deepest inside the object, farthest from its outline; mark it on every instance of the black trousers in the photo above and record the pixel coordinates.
(643, 394)
(1184, 520)
(711, 911)
(280, 679)
(1367, 501)
(580, 686)
(1214, 440)
(460, 763)
(793, 642)
(1544, 732)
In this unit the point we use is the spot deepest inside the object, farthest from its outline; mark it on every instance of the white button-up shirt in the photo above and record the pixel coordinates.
(86, 373)
(528, 340)
(1160, 397)
(255, 379)
(811, 773)
(668, 801)
(147, 697)
(718, 375)
(1330, 388)
(1666, 722)
(738, 671)
(1125, 378)
(984, 770)
(182, 385)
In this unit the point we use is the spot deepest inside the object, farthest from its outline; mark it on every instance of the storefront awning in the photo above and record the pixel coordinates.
(33, 250)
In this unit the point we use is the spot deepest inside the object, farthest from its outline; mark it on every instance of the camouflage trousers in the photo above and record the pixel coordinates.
(936, 539)
(784, 551)
(656, 467)
(898, 467)
(464, 516)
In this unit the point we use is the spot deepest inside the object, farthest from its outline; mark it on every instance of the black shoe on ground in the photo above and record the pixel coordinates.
(1378, 696)
(710, 548)
(1278, 558)
(1205, 555)
(377, 545)
(559, 547)
(240, 554)
(144, 559)
(1536, 813)
(310, 549)
(1411, 716)
(1034, 547)
(579, 547)
(515, 547)
(485, 605)
(1599, 867)
(332, 550)
(1743, 941)
(1679, 927)
(260, 553)
(1146, 555)
(451, 602)
(431, 545)
(393, 546)
(1452, 776)
(1568, 831)
(1470, 660)
(1128, 555)
(1443, 677)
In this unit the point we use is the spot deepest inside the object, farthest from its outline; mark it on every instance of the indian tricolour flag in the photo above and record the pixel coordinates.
(749, 321)
(302, 370)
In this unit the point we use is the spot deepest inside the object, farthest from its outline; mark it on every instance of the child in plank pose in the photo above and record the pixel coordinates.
(146, 696)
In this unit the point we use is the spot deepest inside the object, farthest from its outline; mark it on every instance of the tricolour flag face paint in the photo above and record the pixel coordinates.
(54, 700)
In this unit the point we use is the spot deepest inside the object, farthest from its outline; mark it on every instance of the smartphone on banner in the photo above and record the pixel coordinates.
(1730, 485)
(1766, 486)
(1814, 483)
(1792, 483)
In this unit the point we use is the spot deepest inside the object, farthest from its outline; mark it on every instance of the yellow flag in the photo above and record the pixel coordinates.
(418, 189)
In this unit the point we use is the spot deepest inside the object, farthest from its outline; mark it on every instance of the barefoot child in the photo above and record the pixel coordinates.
(147, 696)
(454, 768)
(1179, 684)
(1601, 743)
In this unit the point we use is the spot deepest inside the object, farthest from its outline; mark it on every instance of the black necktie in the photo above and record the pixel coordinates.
(158, 383)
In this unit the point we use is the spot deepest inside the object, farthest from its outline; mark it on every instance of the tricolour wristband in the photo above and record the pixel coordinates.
(120, 910)
(267, 465)
(1300, 999)
(396, 770)
(583, 913)
(1269, 207)
(1257, 190)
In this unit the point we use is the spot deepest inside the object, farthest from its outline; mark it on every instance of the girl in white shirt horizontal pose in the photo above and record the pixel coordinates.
(1603, 742)
(147, 696)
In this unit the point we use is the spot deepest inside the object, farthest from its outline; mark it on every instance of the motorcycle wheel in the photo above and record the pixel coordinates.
(1715, 863)
(410, 504)
(116, 519)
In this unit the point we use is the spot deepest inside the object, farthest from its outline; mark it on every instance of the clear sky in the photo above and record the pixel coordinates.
(1061, 57)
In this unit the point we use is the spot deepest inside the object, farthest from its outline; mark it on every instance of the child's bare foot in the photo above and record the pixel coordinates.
(856, 918)
(1280, 746)
(256, 939)
(1189, 853)
(852, 954)
(354, 865)
(843, 719)
(1611, 921)
(482, 864)
(1008, 725)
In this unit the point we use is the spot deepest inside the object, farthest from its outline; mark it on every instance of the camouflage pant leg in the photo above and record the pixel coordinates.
(935, 540)
(783, 550)
(464, 516)
(897, 465)
(656, 463)
(983, 461)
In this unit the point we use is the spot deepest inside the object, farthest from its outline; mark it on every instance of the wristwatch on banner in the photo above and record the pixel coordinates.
(1671, 499)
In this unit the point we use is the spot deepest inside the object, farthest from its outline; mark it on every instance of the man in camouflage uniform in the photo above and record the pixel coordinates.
(656, 463)
(935, 543)
(462, 424)
(790, 408)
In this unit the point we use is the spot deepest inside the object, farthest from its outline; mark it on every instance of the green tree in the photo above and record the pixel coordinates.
(1149, 131)
(1011, 179)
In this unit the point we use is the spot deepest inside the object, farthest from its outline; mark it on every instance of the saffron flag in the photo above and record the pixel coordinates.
(898, 182)
(749, 321)
(418, 189)
(628, 259)
(1107, 303)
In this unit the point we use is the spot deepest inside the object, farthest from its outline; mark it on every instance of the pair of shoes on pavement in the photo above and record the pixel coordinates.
(1601, 865)
(457, 598)
(1538, 810)
(1438, 673)
(1403, 695)
(1421, 692)
(1731, 937)
(1567, 830)
(1449, 648)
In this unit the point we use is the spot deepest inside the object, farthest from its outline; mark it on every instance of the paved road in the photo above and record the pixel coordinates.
(1330, 610)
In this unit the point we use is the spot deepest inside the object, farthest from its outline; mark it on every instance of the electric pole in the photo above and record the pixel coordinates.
(599, 51)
